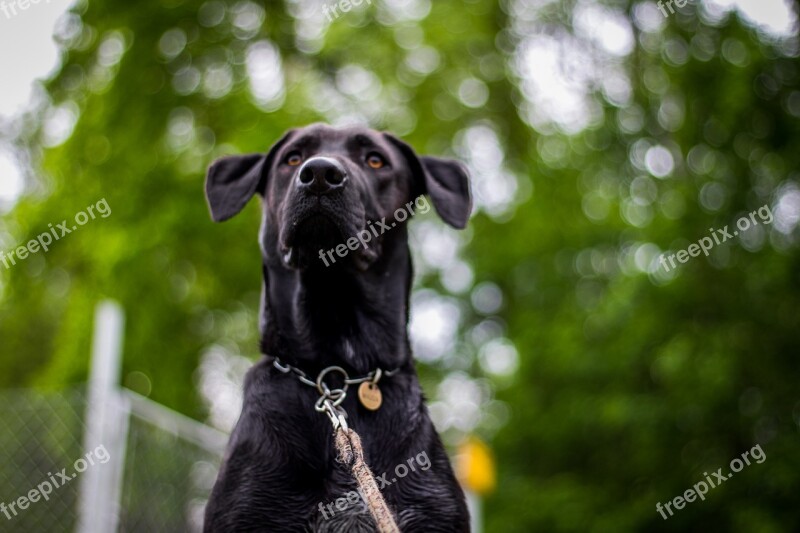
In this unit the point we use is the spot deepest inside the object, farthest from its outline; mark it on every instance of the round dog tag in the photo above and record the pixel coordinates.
(370, 396)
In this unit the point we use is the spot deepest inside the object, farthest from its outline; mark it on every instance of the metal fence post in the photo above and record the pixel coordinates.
(107, 416)
(475, 511)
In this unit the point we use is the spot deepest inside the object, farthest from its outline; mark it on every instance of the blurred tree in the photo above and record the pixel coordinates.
(600, 135)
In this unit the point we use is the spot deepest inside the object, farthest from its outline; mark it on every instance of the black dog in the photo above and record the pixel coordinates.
(321, 187)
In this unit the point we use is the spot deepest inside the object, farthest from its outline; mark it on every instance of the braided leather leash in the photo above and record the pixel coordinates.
(348, 444)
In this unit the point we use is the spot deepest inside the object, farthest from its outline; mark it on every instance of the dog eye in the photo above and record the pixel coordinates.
(294, 159)
(375, 161)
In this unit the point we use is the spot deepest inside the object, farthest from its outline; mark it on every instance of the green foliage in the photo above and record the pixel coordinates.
(632, 382)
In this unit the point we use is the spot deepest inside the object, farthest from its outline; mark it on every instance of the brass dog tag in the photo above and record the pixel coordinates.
(370, 396)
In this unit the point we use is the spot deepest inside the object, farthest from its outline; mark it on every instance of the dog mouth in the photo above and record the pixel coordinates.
(312, 228)
(315, 230)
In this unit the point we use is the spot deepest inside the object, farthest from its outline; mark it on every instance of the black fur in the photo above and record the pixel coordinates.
(280, 461)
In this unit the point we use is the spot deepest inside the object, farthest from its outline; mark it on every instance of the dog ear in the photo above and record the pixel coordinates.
(444, 180)
(232, 181)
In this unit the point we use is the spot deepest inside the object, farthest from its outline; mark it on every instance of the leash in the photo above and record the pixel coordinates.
(348, 443)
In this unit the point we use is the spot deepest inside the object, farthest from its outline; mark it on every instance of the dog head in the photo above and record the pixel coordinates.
(326, 187)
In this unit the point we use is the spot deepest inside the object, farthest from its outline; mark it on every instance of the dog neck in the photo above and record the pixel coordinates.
(337, 315)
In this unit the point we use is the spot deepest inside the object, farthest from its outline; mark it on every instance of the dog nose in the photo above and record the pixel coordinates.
(321, 175)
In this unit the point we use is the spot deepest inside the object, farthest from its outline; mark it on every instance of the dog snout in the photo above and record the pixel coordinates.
(321, 175)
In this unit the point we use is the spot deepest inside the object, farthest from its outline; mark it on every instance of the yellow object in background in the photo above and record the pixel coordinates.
(475, 466)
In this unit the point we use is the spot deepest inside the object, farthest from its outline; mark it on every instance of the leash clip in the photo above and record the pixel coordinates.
(330, 400)
(336, 414)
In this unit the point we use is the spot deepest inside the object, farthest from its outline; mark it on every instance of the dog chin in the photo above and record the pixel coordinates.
(303, 240)
(306, 257)
(312, 245)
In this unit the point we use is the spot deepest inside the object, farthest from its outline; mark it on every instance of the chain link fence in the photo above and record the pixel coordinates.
(167, 474)
(41, 434)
